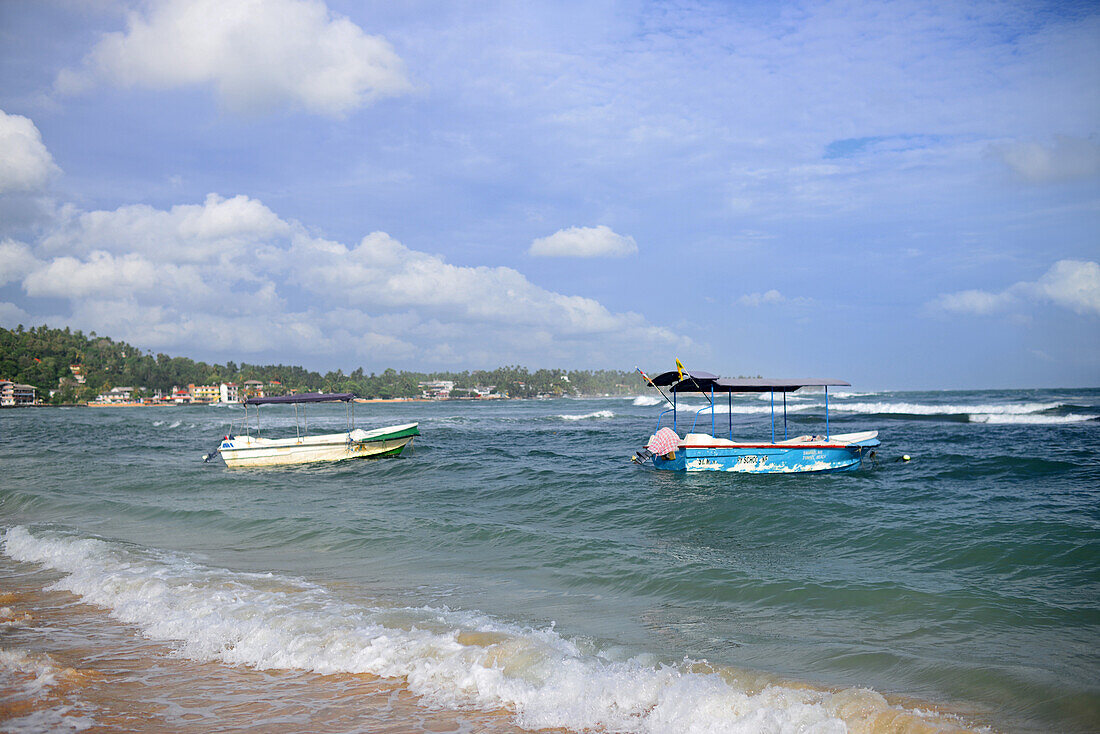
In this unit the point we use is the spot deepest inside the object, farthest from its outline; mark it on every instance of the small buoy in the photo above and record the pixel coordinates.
(905, 457)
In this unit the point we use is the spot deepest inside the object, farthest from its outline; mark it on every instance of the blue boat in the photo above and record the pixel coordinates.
(712, 452)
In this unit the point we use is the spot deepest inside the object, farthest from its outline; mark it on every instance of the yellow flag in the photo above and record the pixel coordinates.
(680, 368)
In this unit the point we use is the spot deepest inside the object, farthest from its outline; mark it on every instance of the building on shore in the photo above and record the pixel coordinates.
(229, 392)
(13, 393)
(115, 395)
(204, 393)
(437, 389)
(253, 389)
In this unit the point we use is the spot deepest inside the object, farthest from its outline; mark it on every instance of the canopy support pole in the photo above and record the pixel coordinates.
(712, 433)
(784, 415)
(826, 412)
(730, 413)
(674, 410)
(773, 416)
(297, 432)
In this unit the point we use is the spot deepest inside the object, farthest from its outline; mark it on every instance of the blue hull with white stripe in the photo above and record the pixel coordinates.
(803, 455)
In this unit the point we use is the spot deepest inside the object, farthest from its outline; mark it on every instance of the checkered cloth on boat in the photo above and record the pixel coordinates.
(664, 441)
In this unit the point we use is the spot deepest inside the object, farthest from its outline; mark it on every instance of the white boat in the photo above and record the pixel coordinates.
(250, 450)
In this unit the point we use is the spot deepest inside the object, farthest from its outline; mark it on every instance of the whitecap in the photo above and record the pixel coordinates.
(587, 416)
(1034, 420)
(949, 409)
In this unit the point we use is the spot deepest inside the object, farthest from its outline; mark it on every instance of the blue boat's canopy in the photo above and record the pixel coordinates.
(765, 384)
(306, 397)
(672, 377)
(706, 382)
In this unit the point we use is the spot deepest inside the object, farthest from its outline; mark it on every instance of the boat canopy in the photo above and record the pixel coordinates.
(305, 397)
(754, 384)
(706, 382)
(672, 377)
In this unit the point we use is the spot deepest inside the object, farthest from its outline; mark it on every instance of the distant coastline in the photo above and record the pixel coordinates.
(42, 365)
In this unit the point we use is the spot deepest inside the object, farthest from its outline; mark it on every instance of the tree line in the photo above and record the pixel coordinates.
(42, 357)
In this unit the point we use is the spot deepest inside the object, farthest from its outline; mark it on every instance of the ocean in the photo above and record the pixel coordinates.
(515, 572)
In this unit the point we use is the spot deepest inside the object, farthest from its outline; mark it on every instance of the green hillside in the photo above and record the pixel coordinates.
(42, 357)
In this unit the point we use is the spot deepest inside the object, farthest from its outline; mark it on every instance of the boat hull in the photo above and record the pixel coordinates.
(250, 451)
(770, 458)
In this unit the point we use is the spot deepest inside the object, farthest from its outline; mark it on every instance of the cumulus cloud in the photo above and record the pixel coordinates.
(1071, 284)
(25, 164)
(1064, 159)
(13, 315)
(103, 274)
(16, 261)
(380, 271)
(222, 275)
(217, 229)
(256, 54)
(599, 241)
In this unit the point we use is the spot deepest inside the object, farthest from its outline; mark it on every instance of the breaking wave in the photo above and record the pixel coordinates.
(1031, 419)
(933, 409)
(588, 416)
(449, 658)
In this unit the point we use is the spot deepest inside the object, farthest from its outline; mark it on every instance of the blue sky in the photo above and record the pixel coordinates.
(904, 194)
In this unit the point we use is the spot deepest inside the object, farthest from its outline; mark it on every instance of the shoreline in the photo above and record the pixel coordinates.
(101, 675)
(356, 400)
(105, 675)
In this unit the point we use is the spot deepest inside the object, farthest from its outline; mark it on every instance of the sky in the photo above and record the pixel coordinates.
(905, 195)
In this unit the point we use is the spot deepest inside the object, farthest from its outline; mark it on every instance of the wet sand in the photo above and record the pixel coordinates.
(67, 666)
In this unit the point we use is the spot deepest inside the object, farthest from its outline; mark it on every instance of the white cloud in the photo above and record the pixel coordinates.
(257, 54)
(222, 275)
(16, 261)
(218, 229)
(599, 241)
(977, 302)
(104, 274)
(380, 271)
(25, 164)
(11, 315)
(1072, 284)
(1066, 158)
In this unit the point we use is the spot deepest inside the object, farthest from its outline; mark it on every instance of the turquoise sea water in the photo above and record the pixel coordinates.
(517, 560)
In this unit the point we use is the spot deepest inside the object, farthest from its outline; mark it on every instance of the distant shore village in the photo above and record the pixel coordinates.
(14, 394)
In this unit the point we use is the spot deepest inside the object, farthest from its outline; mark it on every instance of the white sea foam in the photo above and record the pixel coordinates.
(934, 409)
(450, 658)
(647, 400)
(28, 684)
(37, 672)
(1038, 420)
(724, 408)
(588, 416)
